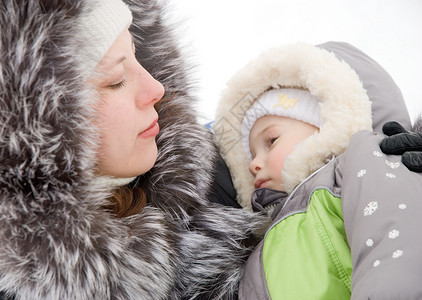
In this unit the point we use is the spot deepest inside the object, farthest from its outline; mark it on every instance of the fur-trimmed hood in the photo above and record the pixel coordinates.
(56, 240)
(335, 73)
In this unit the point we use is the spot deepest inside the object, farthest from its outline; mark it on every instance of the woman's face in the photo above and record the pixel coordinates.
(126, 119)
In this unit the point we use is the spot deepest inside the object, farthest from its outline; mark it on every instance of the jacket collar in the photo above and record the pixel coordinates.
(269, 200)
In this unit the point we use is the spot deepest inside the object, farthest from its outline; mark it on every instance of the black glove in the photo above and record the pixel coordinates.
(401, 141)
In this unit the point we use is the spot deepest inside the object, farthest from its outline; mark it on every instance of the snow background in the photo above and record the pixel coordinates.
(221, 36)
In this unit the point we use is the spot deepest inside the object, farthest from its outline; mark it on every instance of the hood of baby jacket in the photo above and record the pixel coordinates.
(56, 240)
(343, 78)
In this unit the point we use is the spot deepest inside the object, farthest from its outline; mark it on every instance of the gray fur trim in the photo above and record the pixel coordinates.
(56, 241)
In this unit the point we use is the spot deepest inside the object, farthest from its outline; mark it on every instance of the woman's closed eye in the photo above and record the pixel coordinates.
(118, 85)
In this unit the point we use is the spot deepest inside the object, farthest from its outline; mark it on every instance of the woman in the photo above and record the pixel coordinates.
(89, 209)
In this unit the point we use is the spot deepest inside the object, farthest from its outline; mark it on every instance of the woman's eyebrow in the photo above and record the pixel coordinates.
(121, 59)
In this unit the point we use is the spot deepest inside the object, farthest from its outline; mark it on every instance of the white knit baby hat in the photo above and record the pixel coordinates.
(294, 103)
(99, 27)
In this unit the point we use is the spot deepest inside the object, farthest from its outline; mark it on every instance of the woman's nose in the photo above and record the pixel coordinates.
(157, 90)
(150, 90)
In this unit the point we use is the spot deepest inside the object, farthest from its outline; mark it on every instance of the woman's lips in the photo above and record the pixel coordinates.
(152, 130)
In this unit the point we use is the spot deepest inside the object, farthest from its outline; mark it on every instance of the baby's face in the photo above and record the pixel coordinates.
(272, 138)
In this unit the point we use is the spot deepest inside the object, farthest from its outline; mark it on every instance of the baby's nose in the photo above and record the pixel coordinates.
(254, 167)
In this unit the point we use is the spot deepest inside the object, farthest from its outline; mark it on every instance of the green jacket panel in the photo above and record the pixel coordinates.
(321, 252)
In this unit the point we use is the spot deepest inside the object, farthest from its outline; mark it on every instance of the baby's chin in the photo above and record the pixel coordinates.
(278, 186)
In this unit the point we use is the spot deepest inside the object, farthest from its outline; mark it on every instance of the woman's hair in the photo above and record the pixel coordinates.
(127, 201)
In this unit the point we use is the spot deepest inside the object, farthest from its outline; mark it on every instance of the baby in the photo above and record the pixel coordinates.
(276, 123)
(344, 214)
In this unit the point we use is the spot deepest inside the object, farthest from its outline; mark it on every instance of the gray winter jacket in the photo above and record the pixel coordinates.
(381, 208)
(352, 213)
(357, 217)
(380, 196)
(56, 240)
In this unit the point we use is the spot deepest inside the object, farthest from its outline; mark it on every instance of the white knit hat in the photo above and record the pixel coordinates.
(99, 27)
(286, 102)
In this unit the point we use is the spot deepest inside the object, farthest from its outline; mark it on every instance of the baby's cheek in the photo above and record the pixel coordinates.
(276, 164)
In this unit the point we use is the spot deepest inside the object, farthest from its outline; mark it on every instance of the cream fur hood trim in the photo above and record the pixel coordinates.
(345, 109)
